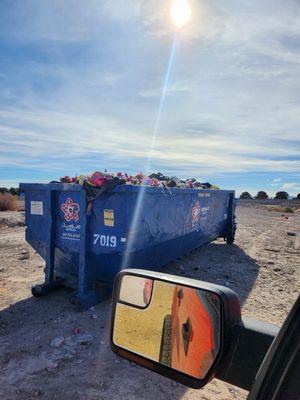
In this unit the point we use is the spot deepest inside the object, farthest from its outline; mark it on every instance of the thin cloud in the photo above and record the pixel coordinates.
(295, 186)
(85, 93)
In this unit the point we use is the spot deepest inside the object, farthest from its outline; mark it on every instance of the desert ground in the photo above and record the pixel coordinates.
(50, 350)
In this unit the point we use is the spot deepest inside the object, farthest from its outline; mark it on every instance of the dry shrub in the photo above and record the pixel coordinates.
(282, 209)
(288, 210)
(8, 202)
(278, 209)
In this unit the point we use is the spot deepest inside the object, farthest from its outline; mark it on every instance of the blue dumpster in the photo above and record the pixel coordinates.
(86, 243)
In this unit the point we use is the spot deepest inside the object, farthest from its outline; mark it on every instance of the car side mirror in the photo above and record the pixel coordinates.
(173, 325)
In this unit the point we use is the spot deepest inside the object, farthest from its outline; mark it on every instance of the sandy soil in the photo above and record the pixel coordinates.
(49, 350)
(144, 327)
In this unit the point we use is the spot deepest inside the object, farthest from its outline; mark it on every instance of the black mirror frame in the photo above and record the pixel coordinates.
(230, 317)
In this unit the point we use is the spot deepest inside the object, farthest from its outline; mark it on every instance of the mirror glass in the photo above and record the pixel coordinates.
(136, 290)
(174, 325)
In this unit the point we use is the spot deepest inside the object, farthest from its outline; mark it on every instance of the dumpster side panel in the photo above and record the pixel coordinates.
(107, 234)
(69, 226)
(38, 220)
(169, 226)
(48, 221)
(170, 223)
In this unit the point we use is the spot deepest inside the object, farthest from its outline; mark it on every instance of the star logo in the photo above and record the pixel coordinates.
(70, 210)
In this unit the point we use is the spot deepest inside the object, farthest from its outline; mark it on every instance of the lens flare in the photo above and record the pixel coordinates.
(180, 12)
(134, 225)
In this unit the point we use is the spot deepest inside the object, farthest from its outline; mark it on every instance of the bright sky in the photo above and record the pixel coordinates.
(80, 84)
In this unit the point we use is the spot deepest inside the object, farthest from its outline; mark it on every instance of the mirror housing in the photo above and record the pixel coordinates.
(143, 296)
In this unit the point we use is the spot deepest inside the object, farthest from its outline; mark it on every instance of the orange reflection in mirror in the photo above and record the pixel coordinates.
(194, 331)
(148, 290)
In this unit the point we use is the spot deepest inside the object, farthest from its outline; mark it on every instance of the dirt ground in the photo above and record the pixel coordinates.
(49, 350)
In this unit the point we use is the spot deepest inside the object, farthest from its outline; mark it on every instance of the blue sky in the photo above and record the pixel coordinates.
(80, 84)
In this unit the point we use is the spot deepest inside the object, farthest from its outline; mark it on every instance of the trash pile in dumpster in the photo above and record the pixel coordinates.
(106, 180)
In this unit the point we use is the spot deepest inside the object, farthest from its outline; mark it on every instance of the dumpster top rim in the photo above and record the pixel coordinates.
(118, 189)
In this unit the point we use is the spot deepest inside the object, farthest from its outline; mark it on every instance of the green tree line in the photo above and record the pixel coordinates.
(262, 195)
(13, 191)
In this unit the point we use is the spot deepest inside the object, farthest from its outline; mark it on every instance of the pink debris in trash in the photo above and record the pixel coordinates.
(103, 179)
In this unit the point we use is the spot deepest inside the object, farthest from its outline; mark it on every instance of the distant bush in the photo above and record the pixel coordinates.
(288, 210)
(283, 209)
(261, 195)
(14, 191)
(282, 195)
(8, 202)
(245, 195)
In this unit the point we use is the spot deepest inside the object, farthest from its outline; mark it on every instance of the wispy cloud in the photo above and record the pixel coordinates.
(80, 85)
(294, 186)
(75, 137)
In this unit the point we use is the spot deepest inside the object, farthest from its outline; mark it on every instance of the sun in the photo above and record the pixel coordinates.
(180, 12)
